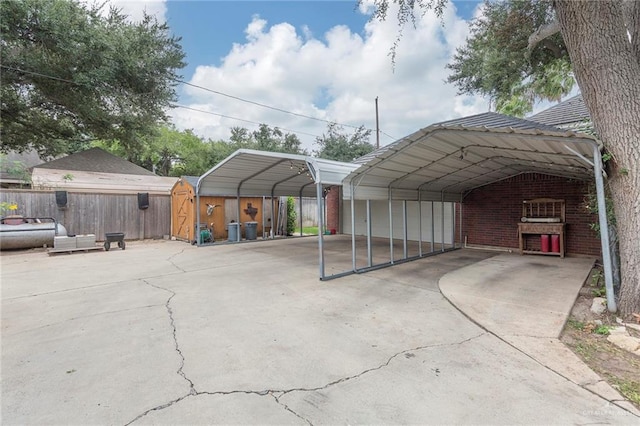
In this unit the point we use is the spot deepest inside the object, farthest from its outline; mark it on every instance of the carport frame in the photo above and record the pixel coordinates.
(483, 124)
(269, 178)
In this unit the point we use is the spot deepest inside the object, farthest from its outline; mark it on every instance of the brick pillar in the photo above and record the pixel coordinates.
(333, 208)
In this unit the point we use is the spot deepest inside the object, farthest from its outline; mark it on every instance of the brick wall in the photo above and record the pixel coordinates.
(491, 213)
(333, 208)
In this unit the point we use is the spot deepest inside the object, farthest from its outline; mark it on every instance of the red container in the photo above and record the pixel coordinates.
(555, 243)
(544, 243)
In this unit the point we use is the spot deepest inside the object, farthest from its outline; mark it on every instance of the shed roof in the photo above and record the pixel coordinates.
(96, 160)
(448, 159)
(249, 172)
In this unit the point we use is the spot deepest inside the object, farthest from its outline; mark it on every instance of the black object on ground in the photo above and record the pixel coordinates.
(114, 237)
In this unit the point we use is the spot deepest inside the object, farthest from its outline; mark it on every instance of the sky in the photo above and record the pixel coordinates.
(323, 59)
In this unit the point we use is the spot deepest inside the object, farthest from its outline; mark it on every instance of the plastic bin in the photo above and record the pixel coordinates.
(233, 231)
(251, 230)
(544, 243)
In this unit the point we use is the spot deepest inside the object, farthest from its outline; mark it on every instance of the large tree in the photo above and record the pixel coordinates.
(337, 144)
(71, 74)
(602, 43)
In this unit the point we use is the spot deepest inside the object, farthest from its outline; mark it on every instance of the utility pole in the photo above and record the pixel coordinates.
(377, 126)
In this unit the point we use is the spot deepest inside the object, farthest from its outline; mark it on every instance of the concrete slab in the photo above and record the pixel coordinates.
(169, 333)
(518, 295)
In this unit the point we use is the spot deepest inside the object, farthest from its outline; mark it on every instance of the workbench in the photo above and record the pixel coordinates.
(542, 216)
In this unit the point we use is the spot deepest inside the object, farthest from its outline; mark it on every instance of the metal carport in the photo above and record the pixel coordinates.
(445, 161)
(249, 172)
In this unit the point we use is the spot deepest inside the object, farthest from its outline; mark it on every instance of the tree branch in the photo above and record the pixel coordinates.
(544, 31)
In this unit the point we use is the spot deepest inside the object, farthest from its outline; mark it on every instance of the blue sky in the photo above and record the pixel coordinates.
(323, 59)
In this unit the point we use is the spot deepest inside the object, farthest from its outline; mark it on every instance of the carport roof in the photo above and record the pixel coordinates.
(448, 159)
(249, 172)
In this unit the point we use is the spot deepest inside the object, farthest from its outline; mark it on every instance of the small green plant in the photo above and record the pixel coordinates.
(574, 323)
(602, 329)
(599, 292)
(68, 177)
(624, 171)
(8, 207)
(291, 216)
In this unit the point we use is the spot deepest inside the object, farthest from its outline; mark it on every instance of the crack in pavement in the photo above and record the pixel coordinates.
(170, 260)
(276, 394)
(286, 407)
(180, 371)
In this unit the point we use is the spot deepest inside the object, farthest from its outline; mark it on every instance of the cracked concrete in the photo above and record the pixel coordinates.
(167, 333)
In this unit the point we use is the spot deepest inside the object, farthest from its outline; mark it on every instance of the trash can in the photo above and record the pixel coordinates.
(233, 231)
(251, 230)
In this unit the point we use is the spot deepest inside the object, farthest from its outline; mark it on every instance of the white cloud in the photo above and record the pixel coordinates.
(135, 9)
(336, 77)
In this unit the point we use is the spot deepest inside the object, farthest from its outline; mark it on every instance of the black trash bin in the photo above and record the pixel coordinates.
(251, 230)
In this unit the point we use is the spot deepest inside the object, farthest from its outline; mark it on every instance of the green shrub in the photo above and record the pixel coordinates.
(291, 216)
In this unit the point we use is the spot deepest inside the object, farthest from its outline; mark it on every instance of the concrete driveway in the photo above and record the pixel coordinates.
(168, 333)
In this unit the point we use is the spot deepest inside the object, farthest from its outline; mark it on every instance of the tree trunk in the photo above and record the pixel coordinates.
(607, 69)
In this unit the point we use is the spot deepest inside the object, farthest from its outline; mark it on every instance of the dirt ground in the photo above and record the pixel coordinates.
(586, 335)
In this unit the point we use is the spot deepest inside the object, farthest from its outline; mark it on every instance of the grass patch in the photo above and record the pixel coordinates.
(310, 230)
(628, 388)
(574, 323)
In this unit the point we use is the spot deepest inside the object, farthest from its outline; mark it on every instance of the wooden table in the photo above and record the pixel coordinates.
(540, 229)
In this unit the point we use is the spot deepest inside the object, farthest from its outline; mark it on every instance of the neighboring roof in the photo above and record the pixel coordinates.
(24, 161)
(447, 160)
(564, 114)
(191, 180)
(102, 183)
(249, 172)
(96, 160)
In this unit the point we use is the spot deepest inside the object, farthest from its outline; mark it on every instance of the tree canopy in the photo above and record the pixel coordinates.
(338, 145)
(70, 75)
(495, 61)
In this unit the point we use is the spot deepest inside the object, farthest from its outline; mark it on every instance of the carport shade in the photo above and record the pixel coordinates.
(249, 172)
(445, 161)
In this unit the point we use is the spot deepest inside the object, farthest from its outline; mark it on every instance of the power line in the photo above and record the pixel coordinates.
(208, 112)
(242, 119)
(217, 92)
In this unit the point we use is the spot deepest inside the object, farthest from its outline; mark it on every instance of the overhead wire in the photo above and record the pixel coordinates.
(241, 119)
(209, 112)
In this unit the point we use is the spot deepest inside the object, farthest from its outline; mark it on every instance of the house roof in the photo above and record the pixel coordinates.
(447, 160)
(564, 114)
(96, 160)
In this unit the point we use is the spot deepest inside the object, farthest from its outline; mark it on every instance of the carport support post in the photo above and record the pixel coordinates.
(404, 229)
(442, 222)
(320, 226)
(453, 225)
(353, 227)
(390, 226)
(300, 199)
(239, 224)
(433, 227)
(263, 217)
(460, 224)
(604, 230)
(273, 217)
(369, 253)
(197, 215)
(419, 222)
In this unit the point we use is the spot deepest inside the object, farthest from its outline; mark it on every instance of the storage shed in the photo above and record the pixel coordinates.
(216, 212)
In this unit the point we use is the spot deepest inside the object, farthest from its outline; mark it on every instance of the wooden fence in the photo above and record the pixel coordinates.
(88, 213)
